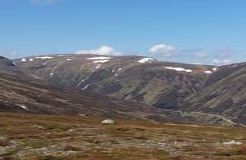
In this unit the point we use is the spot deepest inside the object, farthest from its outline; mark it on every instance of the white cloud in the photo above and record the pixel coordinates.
(225, 52)
(227, 61)
(11, 53)
(44, 2)
(221, 61)
(216, 61)
(164, 49)
(103, 50)
(200, 54)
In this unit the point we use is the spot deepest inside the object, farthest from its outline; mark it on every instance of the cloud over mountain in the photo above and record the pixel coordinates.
(163, 49)
(103, 50)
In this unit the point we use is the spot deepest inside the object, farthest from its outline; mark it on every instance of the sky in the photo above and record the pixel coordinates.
(189, 31)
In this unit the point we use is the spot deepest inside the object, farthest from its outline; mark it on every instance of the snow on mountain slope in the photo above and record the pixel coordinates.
(180, 69)
(145, 60)
(122, 78)
(22, 93)
(135, 78)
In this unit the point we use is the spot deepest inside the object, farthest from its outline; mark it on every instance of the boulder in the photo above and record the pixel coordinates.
(108, 121)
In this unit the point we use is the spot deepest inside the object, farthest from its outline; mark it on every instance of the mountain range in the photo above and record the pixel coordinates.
(127, 86)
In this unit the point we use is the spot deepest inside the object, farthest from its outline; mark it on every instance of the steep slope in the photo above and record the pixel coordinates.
(8, 66)
(224, 94)
(135, 78)
(21, 93)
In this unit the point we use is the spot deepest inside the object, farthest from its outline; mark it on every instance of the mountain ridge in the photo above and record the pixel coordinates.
(79, 71)
(22, 93)
(164, 85)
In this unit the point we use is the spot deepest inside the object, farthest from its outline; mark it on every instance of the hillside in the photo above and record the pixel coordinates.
(165, 85)
(24, 94)
(140, 79)
(49, 137)
(224, 93)
(8, 66)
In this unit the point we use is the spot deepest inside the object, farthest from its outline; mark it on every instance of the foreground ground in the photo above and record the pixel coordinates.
(43, 137)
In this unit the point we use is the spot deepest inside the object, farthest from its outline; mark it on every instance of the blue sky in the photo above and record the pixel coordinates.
(191, 31)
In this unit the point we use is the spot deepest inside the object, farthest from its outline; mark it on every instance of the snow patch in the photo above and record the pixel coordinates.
(179, 69)
(23, 60)
(98, 66)
(214, 69)
(208, 72)
(85, 87)
(13, 63)
(117, 72)
(23, 107)
(69, 59)
(145, 60)
(44, 57)
(100, 61)
(233, 142)
(31, 60)
(82, 81)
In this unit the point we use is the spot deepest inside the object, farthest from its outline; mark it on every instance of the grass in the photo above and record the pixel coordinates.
(47, 137)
